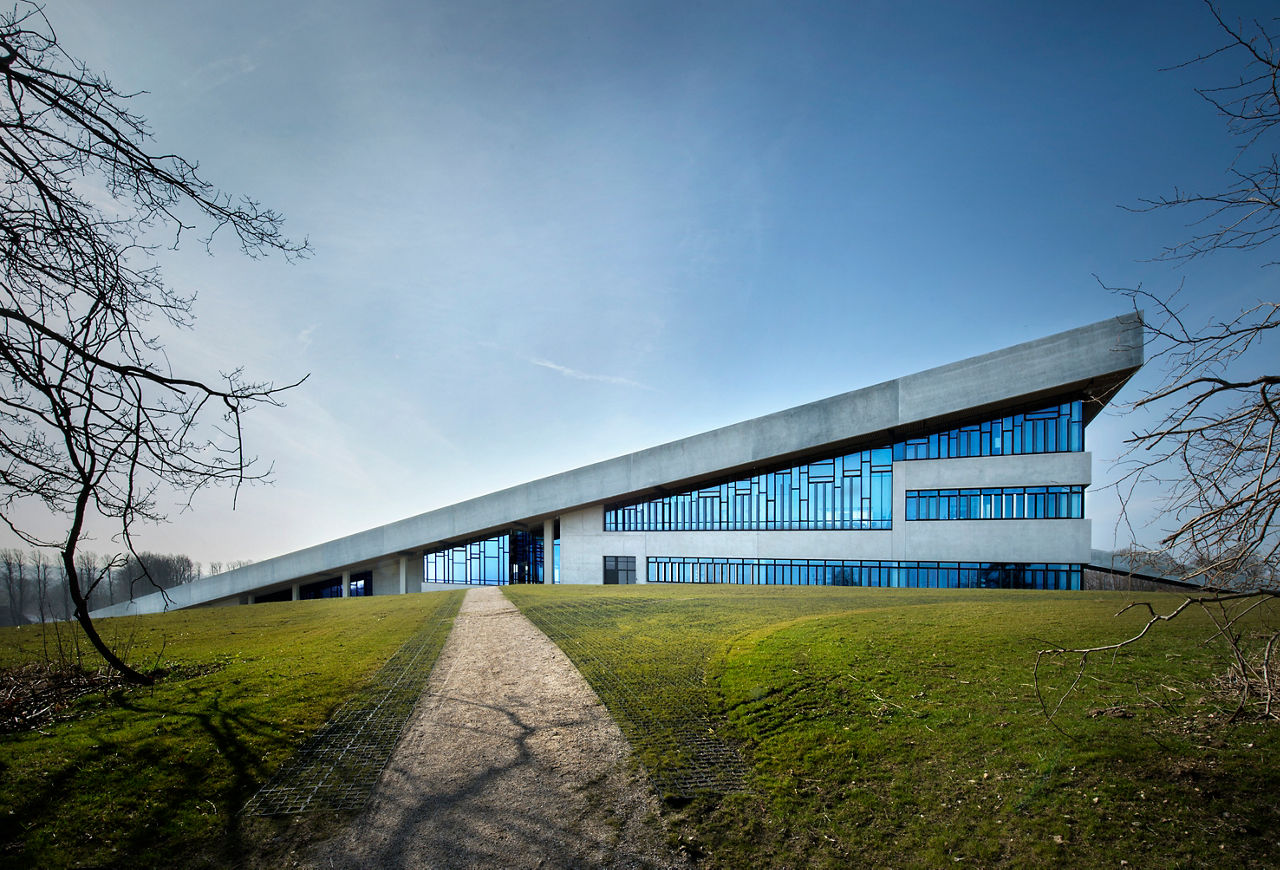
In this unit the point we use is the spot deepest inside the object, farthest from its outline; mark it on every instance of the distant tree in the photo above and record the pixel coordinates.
(95, 570)
(53, 598)
(159, 570)
(94, 423)
(17, 584)
(1214, 448)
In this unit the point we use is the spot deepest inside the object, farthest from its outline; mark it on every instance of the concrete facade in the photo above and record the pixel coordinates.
(584, 543)
(1091, 362)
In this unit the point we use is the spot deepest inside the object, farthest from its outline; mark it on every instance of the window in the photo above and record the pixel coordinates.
(331, 588)
(1059, 429)
(850, 491)
(619, 570)
(827, 572)
(511, 557)
(361, 584)
(1004, 503)
(853, 491)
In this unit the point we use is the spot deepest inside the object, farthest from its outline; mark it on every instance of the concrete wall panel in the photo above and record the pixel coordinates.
(997, 541)
(1044, 469)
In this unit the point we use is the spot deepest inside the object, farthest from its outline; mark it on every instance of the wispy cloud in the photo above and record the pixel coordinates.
(220, 71)
(304, 337)
(587, 376)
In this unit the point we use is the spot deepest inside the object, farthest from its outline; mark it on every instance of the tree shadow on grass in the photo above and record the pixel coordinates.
(158, 784)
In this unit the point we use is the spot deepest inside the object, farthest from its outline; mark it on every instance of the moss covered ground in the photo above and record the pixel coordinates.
(901, 727)
(157, 776)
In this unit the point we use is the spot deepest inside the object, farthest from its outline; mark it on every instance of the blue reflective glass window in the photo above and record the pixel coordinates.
(847, 492)
(1014, 502)
(1056, 429)
(486, 561)
(855, 491)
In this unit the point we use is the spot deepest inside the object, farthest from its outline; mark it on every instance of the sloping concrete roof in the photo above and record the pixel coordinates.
(1092, 361)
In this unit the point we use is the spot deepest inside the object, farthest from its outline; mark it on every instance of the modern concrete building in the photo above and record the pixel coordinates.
(970, 474)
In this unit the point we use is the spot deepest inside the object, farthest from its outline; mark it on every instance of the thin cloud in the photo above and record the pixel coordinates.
(587, 376)
(218, 72)
(304, 337)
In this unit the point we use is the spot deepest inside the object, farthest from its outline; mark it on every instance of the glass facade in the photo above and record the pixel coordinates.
(361, 585)
(1059, 429)
(1003, 503)
(511, 557)
(854, 491)
(827, 572)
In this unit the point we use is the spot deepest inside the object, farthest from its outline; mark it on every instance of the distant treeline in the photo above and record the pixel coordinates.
(35, 581)
(1217, 570)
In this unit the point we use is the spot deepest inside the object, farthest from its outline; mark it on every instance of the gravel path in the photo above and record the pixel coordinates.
(510, 760)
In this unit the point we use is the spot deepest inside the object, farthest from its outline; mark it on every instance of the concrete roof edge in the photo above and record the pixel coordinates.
(1109, 350)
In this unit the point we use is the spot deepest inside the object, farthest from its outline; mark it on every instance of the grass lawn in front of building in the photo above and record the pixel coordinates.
(901, 728)
(157, 776)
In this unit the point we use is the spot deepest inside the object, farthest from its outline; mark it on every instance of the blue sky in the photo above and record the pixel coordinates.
(547, 233)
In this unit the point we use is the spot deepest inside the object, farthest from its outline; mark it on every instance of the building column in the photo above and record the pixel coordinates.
(297, 591)
(404, 574)
(346, 584)
(549, 551)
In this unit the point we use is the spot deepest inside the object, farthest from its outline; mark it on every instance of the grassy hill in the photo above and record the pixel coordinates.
(156, 777)
(901, 728)
(878, 727)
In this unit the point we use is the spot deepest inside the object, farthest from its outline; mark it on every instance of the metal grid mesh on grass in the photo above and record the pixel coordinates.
(338, 766)
(662, 703)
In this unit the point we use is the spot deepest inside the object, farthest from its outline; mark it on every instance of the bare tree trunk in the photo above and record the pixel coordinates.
(80, 598)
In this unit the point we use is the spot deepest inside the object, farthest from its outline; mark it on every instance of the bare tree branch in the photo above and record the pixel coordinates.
(93, 422)
(1256, 679)
(1212, 447)
(1246, 215)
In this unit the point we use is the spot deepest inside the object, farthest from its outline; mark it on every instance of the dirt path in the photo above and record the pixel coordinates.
(510, 760)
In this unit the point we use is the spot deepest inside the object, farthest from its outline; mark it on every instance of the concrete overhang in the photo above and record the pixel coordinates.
(1091, 362)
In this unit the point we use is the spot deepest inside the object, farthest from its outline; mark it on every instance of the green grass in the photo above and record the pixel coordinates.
(900, 728)
(156, 776)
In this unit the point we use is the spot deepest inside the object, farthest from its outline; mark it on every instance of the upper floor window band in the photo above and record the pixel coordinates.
(1059, 429)
(851, 491)
(854, 491)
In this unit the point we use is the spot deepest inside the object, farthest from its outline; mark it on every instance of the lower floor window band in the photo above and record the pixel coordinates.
(830, 572)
